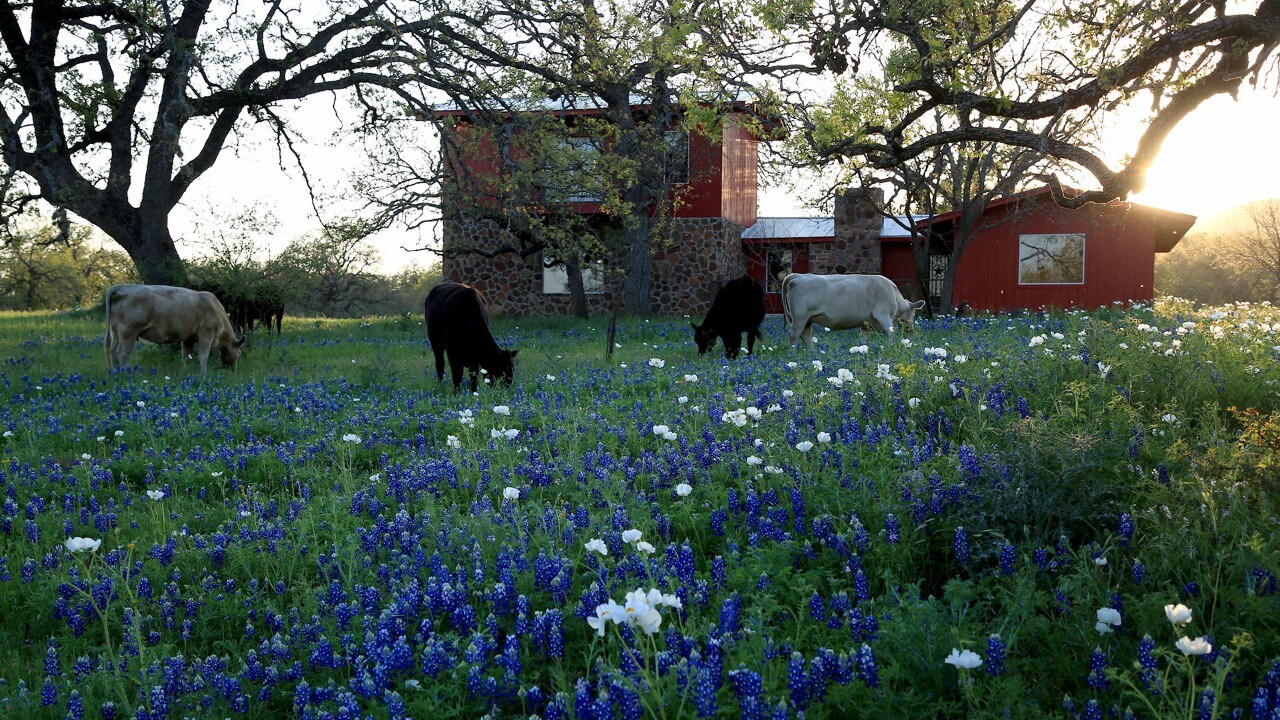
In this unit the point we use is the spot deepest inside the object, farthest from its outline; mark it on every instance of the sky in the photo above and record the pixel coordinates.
(1224, 154)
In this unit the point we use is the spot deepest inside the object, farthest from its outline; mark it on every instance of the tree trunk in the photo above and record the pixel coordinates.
(577, 291)
(638, 266)
(156, 257)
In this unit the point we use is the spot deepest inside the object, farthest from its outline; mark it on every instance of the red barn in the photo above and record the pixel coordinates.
(1030, 253)
(1027, 253)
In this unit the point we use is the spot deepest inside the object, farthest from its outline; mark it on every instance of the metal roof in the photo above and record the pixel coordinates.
(796, 228)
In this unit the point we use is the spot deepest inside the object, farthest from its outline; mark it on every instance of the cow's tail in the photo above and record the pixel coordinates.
(107, 342)
(786, 303)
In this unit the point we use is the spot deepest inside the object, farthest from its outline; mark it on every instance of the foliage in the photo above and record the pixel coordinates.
(1227, 262)
(338, 534)
(41, 270)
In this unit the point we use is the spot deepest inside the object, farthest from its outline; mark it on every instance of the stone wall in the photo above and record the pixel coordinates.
(699, 256)
(856, 245)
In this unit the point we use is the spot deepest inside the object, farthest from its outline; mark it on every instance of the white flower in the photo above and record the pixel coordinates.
(961, 359)
(1169, 418)
(351, 438)
(1199, 646)
(8, 433)
(754, 413)
(141, 404)
(86, 456)
(657, 362)
(1110, 616)
(80, 544)
(597, 545)
(788, 393)
(1103, 628)
(669, 435)
(859, 349)
(753, 460)
(632, 535)
(691, 378)
(683, 489)
(453, 442)
(804, 446)
(1100, 560)
(501, 410)
(645, 547)
(1178, 614)
(155, 494)
(100, 438)
(913, 402)
(1037, 340)
(605, 614)
(773, 469)
(661, 429)
(966, 659)
(1103, 369)
(817, 365)
(510, 493)
(510, 434)
(682, 399)
(937, 352)
(641, 613)
(824, 437)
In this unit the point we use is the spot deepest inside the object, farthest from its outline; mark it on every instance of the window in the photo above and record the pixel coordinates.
(779, 263)
(677, 157)
(555, 280)
(575, 177)
(1051, 259)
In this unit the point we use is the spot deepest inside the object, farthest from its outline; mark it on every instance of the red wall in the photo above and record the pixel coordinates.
(1119, 259)
(898, 263)
(722, 176)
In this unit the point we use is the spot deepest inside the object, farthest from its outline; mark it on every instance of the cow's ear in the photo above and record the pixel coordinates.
(513, 354)
(917, 305)
(240, 342)
(693, 325)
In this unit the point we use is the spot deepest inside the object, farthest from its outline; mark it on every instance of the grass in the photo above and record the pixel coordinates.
(333, 538)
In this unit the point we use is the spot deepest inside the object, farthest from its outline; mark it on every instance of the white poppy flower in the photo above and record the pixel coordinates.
(510, 493)
(1178, 614)
(804, 446)
(683, 489)
(80, 544)
(501, 410)
(966, 659)
(597, 545)
(632, 535)
(1199, 646)
(155, 494)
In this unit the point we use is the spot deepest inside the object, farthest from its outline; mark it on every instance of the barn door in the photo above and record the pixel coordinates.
(937, 274)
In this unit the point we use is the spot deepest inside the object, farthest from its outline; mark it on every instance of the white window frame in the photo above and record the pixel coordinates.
(1026, 237)
(555, 280)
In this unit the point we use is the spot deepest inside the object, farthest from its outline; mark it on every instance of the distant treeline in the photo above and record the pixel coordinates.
(320, 275)
(1236, 259)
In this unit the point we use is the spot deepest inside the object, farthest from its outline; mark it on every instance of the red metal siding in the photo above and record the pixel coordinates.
(898, 263)
(1119, 259)
(701, 197)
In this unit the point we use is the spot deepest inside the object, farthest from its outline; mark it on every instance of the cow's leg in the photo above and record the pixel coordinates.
(751, 340)
(808, 335)
(111, 362)
(732, 344)
(188, 349)
(885, 321)
(439, 353)
(795, 332)
(124, 348)
(455, 369)
(203, 345)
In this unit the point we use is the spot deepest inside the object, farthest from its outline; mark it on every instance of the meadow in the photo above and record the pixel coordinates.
(1042, 515)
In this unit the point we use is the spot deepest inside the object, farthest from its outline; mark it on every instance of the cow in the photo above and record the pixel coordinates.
(165, 314)
(843, 301)
(457, 319)
(737, 308)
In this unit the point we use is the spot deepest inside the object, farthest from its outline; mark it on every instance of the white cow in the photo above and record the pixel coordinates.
(165, 314)
(843, 301)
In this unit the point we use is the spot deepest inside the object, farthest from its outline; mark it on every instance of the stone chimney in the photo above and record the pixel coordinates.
(856, 246)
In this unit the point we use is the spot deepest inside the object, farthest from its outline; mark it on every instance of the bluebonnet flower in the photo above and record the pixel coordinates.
(866, 662)
(1148, 666)
(995, 655)
(961, 546)
(1097, 670)
(1008, 560)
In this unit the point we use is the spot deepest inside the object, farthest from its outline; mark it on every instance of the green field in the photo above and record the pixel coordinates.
(339, 536)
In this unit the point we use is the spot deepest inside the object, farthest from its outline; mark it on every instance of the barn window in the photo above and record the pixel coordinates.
(677, 157)
(780, 262)
(1051, 259)
(555, 279)
(574, 176)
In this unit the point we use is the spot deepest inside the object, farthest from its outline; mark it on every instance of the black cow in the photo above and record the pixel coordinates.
(738, 308)
(458, 324)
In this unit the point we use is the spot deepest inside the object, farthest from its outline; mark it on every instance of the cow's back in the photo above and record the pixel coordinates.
(738, 305)
(164, 313)
(457, 319)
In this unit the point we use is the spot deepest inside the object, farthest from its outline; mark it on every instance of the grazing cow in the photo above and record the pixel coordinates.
(458, 324)
(164, 314)
(738, 308)
(843, 301)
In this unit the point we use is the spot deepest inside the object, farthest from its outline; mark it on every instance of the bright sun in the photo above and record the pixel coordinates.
(1223, 154)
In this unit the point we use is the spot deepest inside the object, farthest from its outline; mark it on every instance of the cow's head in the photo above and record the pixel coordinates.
(231, 352)
(501, 366)
(704, 336)
(907, 313)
